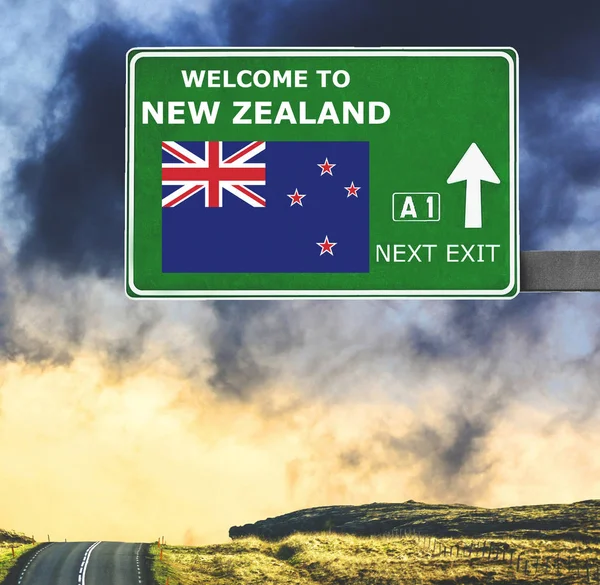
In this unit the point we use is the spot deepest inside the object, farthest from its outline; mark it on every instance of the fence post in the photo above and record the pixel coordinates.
(519, 560)
(13, 551)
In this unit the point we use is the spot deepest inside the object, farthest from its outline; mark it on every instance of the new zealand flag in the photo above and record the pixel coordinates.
(265, 207)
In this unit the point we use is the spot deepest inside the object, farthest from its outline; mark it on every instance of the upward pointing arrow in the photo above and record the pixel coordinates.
(473, 168)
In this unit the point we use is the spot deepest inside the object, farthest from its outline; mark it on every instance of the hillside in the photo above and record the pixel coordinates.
(342, 559)
(12, 546)
(575, 522)
(389, 544)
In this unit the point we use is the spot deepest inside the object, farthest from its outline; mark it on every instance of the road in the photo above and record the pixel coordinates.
(84, 563)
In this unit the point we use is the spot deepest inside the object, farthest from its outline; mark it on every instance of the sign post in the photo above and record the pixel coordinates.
(322, 173)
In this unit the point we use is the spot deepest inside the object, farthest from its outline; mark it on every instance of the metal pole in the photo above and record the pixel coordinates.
(565, 271)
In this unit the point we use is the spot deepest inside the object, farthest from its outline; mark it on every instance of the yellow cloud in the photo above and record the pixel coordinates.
(86, 455)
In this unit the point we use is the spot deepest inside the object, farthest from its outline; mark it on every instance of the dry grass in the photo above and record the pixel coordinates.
(334, 559)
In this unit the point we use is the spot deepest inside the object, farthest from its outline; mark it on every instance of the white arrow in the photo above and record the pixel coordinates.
(473, 168)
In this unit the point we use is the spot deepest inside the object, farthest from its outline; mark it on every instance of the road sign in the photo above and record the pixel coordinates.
(322, 173)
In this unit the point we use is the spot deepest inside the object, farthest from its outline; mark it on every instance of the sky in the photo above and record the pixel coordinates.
(125, 420)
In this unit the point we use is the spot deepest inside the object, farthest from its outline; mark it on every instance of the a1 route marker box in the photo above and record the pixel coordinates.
(322, 173)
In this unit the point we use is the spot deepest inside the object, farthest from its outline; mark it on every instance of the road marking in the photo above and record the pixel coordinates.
(85, 561)
(31, 561)
(137, 562)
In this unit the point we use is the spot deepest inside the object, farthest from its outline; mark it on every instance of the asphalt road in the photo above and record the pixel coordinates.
(85, 563)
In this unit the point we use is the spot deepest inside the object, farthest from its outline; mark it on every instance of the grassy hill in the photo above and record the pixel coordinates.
(9, 542)
(579, 521)
(409, 543)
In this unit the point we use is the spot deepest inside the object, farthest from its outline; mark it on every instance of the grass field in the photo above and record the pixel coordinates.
(429, 544)
(334, 559)
(9, 541)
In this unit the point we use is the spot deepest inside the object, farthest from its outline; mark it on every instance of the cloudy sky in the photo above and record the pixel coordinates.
(129, 420)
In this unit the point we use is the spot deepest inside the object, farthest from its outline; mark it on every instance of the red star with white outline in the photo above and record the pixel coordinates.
(296, 198)
(326, 246)
(326, 167)
(352, 190)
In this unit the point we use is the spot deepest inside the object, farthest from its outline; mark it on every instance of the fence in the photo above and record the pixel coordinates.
(527, 562)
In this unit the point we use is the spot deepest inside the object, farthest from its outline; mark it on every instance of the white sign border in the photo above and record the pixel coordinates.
(327, 52)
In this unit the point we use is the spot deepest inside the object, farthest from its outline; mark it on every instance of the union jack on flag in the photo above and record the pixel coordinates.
(213, 173)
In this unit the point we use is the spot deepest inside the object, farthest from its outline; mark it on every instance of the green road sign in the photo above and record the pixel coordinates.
(322, 173)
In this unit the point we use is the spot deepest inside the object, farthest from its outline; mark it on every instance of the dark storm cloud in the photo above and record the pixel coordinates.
(131, 346)
(247, 331)
(72, 191)
(249, 23)
(563, 160)
(72, 187)
(236, 370)
(475, 328)
(555, 39)
(451, 453)
(448, 458)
